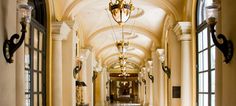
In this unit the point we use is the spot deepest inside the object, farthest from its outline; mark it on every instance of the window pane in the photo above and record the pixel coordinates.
(35, 100)
(35, 60)
(40, 61)
(205, 100)
(40, 100)
(213, 57)
(40, 82)
(200, 82)
(200, 41)
(205, 60)
(200, 62)
(35, 82)
(27, 81)
(205, 83)
(200, 100)
(40, 40)
(213, 100)
(205, 38)
(213, 81)
(27, 57)
(27, 99)
(35, 38)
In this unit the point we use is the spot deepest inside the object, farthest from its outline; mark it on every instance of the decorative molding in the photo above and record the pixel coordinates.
(183, 31)
(137, 29)
(84, 53)
(60, 30)
(74, 25)
(136, 46)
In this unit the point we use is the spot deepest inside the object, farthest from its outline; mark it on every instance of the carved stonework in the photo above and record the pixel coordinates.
(60, 31)
(183, 31)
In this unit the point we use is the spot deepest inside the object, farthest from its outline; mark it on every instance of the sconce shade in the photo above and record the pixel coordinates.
(212, 13)
(25, 12)
(120, 10)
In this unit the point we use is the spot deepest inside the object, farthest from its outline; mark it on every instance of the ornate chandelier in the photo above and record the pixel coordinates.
(120, 10)
(122, 46)
(122, 60)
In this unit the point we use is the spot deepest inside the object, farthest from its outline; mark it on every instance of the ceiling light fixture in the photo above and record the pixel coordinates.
(121, 10)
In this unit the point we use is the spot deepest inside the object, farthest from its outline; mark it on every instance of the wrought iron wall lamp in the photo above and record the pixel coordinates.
(10, 46)
(166, 69)
(225, 46)
(151, 77)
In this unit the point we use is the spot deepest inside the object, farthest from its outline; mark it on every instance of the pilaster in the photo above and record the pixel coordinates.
(183, 32)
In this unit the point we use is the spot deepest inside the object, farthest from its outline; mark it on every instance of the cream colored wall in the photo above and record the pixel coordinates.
(229, 70)
(7, 71)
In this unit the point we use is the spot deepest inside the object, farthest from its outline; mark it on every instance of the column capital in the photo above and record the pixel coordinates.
(84, 53)
(74, 25)
(60, 30)
(183, 31)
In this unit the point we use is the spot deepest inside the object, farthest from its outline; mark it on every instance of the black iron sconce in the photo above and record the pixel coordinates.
(166, 70)
(77, 68)
(151, 77)
(225, 46)
(95, 74)
(9, 46)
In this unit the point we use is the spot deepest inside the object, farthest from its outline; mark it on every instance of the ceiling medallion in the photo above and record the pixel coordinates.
(121, 10)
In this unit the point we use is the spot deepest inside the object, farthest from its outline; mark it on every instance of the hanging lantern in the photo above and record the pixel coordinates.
(120, 10)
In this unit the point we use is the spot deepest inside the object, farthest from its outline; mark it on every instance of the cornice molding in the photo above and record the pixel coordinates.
(60, 30)
(183, 31)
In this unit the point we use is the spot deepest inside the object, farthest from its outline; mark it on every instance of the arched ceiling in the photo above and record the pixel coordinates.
(100, 31)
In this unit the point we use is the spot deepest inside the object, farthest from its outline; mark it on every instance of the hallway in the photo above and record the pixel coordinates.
(117, 52)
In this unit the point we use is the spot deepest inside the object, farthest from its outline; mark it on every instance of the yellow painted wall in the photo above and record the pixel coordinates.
(7, 71)
(228, 11)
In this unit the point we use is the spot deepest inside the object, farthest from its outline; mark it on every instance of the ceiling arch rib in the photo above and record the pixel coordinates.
(108, 58)
(116, 61)
(136, 46)
(164, 4)
(137, 29)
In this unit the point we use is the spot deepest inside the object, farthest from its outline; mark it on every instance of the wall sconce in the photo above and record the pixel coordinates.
(166, 69)
(97, 69)
(151, 77)
(9, 46)
(225, 46)
(77, 68)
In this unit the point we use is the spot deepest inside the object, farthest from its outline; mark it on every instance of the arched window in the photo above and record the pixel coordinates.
(35, 56)
(205, 59)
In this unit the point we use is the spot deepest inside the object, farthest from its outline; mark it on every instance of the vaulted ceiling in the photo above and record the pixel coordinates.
(143, 30)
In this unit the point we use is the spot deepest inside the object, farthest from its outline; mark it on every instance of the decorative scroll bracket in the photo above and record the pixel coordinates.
(151, 77)
(10, 47)
(166, 69)
(226, 46)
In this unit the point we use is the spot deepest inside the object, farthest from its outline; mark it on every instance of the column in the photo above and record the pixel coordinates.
(69, 59)
(84, 54)
(183, 32)
(59, 32)
(155, 83)
(161, 81)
